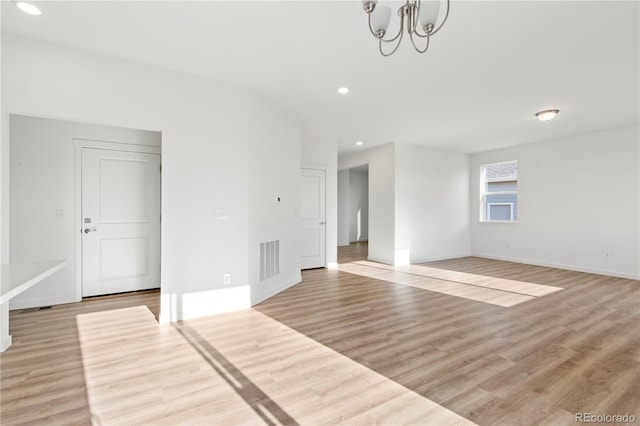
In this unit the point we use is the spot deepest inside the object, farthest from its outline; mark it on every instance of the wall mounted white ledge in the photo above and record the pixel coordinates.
(15, 278)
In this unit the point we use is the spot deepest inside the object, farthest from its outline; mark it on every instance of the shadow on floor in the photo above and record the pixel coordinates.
(255, 398)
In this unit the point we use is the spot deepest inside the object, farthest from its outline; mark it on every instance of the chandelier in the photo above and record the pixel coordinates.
(419, 17)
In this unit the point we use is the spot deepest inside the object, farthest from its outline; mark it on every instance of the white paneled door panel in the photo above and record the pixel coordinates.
(312, 219)
(120, 221)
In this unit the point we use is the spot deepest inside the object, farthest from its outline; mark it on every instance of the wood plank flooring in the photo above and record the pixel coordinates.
(338, 348)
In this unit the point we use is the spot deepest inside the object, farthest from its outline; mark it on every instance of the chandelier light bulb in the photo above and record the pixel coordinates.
(380, 19)
(429, 10)
(548, 114)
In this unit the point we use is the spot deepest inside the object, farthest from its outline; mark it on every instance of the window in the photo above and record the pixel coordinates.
(499, 192)
(500, 211)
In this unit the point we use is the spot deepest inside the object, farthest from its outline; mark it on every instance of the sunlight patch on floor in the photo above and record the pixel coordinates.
(496, 291)
(236, 368)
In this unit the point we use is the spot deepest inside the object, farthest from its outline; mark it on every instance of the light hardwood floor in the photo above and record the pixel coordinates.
(338, 348)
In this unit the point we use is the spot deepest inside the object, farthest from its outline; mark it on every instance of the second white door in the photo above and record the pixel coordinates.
(120, 221)
(312, 219)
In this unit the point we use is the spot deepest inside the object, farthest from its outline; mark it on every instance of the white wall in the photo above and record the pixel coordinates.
(344, 208)
(381, 161)
(418, 202)
(358, 205)
(578, 198)
(321, 153)
(274, 172)
(205, 139)
(432, 204)
(42, 181)
(4, 171)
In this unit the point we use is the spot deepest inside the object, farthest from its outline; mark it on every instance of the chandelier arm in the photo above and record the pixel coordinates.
(446, 15)
(390, 40)
(416, 32)
(370, 27)
(417, 17)
(415, 46)
(400, 34)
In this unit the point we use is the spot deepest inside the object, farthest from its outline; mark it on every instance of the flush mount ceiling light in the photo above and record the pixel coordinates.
(547, 114)
(418, 17)
(28, 8)
(343, 90)
(359, 143)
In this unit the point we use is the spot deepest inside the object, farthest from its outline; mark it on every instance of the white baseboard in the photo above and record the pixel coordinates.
(260, 295)
(343, 244)
(178, 307)
(36, 303)
(380, 260)
(419, 260)
(437, 258)
(562, 266)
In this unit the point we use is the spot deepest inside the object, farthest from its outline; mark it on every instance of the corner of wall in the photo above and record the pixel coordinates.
(260, 294)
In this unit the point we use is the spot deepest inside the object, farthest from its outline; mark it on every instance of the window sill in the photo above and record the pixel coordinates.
(499, 222)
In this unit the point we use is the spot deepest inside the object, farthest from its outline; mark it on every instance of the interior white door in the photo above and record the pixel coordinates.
(312, 218)
(120, 221)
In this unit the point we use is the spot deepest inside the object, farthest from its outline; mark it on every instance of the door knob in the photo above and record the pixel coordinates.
(321, 223)
(87, 230)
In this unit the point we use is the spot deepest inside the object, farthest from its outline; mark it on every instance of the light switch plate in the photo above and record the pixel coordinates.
(223, 214)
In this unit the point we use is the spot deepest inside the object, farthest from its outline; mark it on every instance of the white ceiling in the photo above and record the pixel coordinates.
(493, 65)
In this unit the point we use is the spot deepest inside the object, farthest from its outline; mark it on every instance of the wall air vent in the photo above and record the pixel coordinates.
(269, 259)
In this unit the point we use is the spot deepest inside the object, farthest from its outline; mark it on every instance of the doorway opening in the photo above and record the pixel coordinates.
(353, 214)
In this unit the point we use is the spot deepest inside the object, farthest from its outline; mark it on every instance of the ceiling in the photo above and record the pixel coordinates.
(492, 66)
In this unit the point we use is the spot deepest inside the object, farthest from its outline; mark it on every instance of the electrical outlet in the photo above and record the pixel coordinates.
(226, 278)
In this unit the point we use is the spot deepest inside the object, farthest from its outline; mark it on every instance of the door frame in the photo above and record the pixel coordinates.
(78, 145)
(325, 169)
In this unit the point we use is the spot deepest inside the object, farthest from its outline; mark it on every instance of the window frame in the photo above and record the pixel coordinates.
(484, 205)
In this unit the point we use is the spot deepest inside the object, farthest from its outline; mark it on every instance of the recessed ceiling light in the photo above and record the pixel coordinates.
(28, 8)
(547, 114)
(343, 90)
(359, 143)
